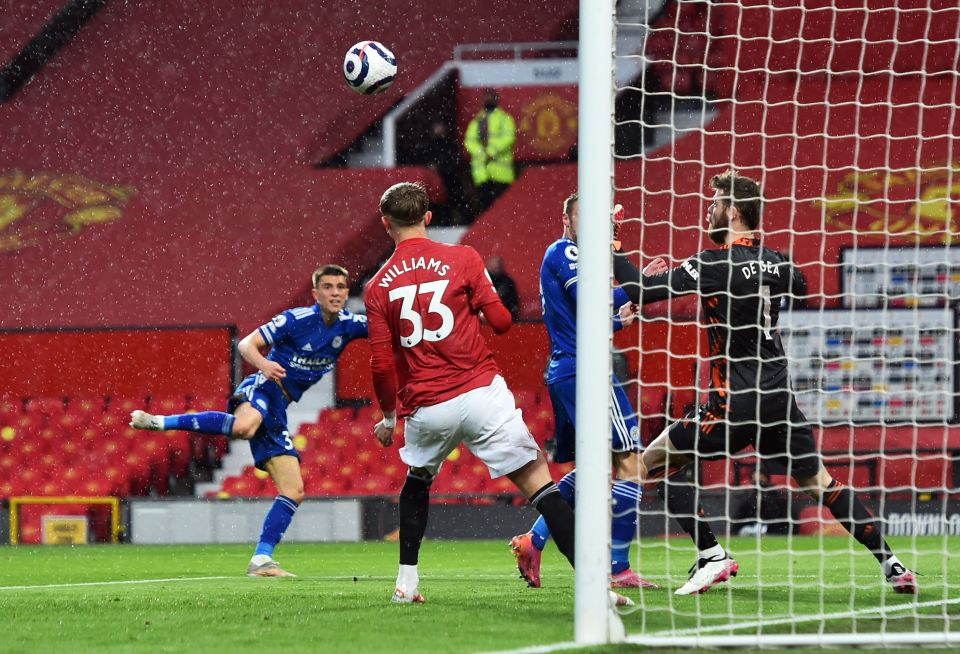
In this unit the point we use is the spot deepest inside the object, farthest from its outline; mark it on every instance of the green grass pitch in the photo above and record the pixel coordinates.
(130, 598)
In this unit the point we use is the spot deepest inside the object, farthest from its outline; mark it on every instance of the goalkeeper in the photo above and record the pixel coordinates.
(741, 284)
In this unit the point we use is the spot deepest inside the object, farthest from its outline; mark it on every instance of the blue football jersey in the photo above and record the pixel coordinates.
(306, 346)
(558, 301)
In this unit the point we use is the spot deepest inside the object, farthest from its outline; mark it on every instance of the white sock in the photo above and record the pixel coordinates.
(888, 565)
(260, 559)
(408, 579)
(715, 552)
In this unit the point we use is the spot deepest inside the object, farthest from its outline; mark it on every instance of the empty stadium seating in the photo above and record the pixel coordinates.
(340, 456)
(54, 446)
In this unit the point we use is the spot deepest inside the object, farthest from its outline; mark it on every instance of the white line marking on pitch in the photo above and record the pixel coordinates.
(639, 638)
(112, 583)
(805, 618)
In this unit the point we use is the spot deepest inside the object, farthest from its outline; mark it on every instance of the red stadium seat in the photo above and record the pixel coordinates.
(124, 406)
(10, 408)
(242, 486)
(168, 404)
(208, 403)
(86, 406)
(45, 406)
(8, 488)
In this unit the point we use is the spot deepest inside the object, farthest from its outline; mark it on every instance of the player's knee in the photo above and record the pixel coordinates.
(294, 491)
(245, 428)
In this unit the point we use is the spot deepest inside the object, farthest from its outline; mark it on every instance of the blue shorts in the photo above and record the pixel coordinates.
(563, 396)
(273, 437)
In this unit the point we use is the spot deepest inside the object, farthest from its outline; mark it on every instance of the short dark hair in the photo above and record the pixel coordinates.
(330, 269)
(571, 200)
(405, 204)
(744, 193)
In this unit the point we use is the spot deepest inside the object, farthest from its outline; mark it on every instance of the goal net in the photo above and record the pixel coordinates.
(845, 113)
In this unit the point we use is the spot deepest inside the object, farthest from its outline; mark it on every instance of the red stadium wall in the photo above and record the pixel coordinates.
(158, 170)
(127, 363)
(236, 85)
(186, 247)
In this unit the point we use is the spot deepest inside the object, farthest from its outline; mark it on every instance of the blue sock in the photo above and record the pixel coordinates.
(207, 422)
(275, 524)
(567, 488)
(626, 503)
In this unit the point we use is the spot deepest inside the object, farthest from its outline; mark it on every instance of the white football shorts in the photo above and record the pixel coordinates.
(485, 419)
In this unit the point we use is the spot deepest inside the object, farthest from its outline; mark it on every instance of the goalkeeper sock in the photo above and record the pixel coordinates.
(626, 502)
(681, 504)
(558, 516)
(567, 487)
(887, 565)
(853, 515)
(207, 422)
(414, 511)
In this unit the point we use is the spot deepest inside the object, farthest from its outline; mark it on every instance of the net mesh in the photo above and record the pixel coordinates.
(845, 113)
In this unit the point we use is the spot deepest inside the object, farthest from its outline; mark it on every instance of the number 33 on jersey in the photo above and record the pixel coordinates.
(429, 294)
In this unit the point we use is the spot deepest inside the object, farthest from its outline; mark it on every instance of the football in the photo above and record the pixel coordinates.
(369, 67)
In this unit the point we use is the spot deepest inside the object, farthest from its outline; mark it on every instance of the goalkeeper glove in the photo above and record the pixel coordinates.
(618, 214)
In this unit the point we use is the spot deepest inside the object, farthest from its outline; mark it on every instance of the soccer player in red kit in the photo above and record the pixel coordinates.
(423, 311)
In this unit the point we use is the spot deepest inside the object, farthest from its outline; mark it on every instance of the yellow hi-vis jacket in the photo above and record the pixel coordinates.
(491, 161)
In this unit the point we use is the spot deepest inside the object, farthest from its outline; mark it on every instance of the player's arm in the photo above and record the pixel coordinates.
(497, 314)
(250, 349)
(626, 309)
(656, 282)
(384, 375)
(358, 327)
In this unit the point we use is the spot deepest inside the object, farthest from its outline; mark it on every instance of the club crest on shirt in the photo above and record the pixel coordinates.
(336, 342)
(571, 252)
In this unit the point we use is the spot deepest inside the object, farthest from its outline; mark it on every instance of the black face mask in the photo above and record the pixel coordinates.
(490, 106)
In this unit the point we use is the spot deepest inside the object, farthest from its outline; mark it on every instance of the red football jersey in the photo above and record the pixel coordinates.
(423, 305)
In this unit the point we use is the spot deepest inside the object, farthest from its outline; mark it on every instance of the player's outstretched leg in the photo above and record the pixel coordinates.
(206, 422)
(847, 508)
(527, 548)
(533, 480)
(714, 565)
(414, 513)
(285, 471)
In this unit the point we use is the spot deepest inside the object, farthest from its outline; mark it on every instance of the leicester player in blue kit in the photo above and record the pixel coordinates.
(304, 345)
(558, 297)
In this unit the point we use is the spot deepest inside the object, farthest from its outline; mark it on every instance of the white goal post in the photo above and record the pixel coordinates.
(845, 112)
(594, 620)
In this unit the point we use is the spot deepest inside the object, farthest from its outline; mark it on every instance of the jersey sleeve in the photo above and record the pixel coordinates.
(277, 329)
(358, 327)
(691, 276)
(381, 357)
(562, 262)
